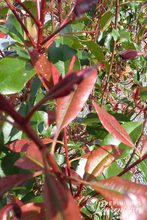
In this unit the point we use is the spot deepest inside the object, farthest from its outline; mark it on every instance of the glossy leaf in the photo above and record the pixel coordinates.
(83, 6)
(129, 196)
(13, 28)
(113, 126)
(43, 67)
(59, 202)
(8, 182)
(14, 74)
(69, 107)
(99, 160)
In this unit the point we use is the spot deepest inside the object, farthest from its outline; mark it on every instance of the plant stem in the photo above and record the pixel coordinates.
(133, 165)
(113, 53)
(24, 126)
(67, 158)
(42, 18)
(57, 31)
(28, 12)
(13, 9)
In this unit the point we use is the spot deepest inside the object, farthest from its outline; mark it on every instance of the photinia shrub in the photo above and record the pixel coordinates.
(73, 110)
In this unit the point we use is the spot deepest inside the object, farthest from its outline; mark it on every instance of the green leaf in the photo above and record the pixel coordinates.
(106, 20)
(14, 74)
(143, 93)
(58, 52)
(95, 50)
(124, 35)
(13, 28)
(143, 167)
(115, 34)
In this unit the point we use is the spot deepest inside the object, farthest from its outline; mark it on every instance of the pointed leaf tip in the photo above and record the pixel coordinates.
(113, 126)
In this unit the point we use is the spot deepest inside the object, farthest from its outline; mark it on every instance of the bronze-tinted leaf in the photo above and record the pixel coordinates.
(99, 160)
(124, 194)
(8, 182)
(31, 150)
(69, 107)
(27, 164)
(59, 202)
(43, 67)
(113, 126)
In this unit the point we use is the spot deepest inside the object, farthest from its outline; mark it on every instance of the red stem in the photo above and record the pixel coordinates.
(57, 31)
(28, 12)
(67, 158)
(42, 18)
(133, 165)
(5, 106)
(13, 9)
(60, 10)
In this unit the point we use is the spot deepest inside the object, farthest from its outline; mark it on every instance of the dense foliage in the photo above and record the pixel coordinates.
(73, 110)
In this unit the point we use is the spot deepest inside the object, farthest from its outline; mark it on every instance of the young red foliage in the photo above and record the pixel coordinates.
(130, 197)
(8, 182)
(59, 202)
(113, 126)
(33, 156)
(99, 160)
(69, 107)
(44, 69)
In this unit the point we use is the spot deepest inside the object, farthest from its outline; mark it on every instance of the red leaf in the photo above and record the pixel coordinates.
(113, 126)
(59, 202)
(27, 164)
(69, 107)
(31, 150)
(43, 67)
(83, 6)
(29, 211)
(99, 160)
(8, 182)
(33, 211)
(51, 117)
(73, 174)
(69, 83)
(2, 35)
(125, 194)
(27, 146)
